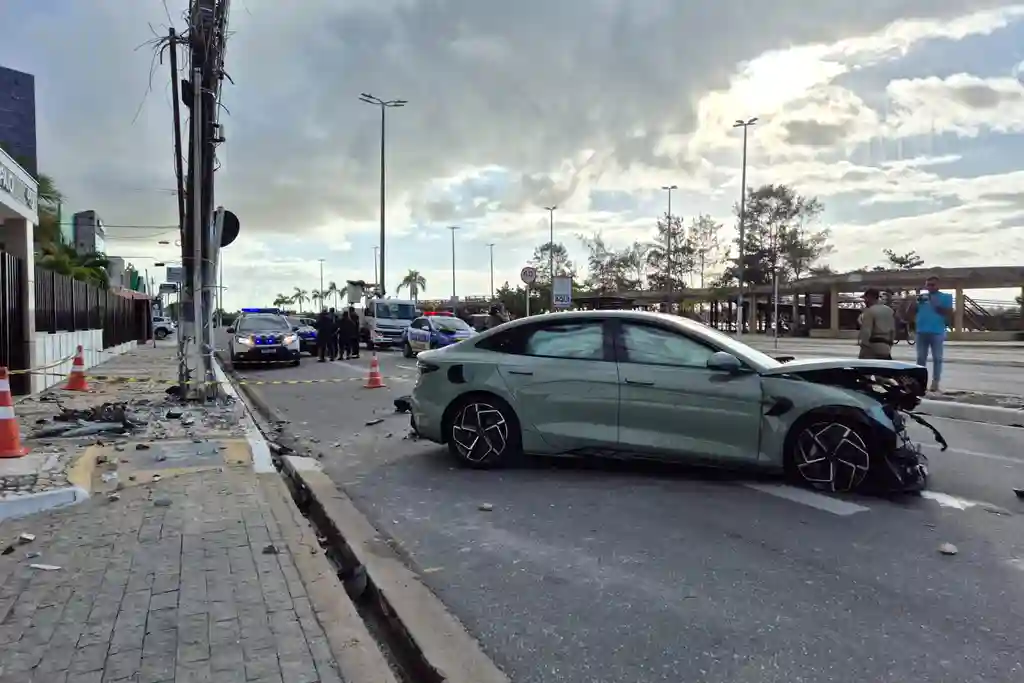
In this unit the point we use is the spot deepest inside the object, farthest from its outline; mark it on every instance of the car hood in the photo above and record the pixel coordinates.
(895, 383)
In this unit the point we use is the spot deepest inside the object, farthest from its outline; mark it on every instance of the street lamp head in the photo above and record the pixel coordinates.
(670, 187)
(454, 227)
(370, 99)
(396, 103)
(550, 208)
(740, 123)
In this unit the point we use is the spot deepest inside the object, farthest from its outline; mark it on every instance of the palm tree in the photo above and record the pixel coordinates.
(282, 300)
(50, 198)
(414, 282)
(63, 259)
(332, 290)
(299, 296)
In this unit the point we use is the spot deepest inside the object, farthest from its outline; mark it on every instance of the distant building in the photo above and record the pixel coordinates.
(18, 117)
(90, 235)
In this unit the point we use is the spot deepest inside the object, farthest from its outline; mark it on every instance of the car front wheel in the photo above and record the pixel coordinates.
(161, 333)
(483, 432)
(829, 453)
(407, 350)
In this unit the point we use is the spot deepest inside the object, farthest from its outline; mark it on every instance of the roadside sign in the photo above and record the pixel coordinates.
(562, 288)
(176, 274)
(168, 288)
(528, 275)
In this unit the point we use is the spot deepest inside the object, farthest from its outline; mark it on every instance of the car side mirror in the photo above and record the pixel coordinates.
(724, 362)
(231, 330)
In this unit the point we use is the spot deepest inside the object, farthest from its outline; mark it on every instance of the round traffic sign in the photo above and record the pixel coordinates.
(528, 274)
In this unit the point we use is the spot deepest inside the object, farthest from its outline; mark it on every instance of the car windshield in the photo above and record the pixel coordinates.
(263, 323)
(295, 322)
(391, 310)
(446, 324)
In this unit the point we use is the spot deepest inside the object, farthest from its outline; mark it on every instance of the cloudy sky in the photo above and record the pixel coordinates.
(902, 116)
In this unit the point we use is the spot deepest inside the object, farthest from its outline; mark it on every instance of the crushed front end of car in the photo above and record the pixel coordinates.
(896, 389)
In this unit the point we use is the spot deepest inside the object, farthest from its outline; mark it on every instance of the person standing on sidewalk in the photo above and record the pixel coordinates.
(877, 328)
(932, 310)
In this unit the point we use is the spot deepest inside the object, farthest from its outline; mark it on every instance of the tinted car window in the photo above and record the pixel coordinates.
(395, 311)
(450, 324)
(655, 346)
(584, 341)
(263, 323)
(418, 324)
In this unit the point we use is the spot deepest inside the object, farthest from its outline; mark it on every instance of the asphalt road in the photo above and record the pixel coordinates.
(638, 573)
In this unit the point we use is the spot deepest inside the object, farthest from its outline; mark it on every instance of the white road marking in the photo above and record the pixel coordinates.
(947, 501)
(407, 367)
(976, 454)
(809, 498)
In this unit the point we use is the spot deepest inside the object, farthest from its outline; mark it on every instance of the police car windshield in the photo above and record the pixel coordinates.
(395, 311)
(450, 324)
(263, 323)
(295, 322)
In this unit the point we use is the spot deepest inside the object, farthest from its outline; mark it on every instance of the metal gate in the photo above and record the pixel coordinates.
(13, 345)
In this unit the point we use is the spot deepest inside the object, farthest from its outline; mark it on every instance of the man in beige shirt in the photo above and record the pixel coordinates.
(877, 328)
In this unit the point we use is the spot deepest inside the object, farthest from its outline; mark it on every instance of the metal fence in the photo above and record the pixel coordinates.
(64, 304)
(13, 349)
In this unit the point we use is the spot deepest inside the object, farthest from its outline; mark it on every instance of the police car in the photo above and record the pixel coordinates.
(263, 335)
(307, 333)
(433, 332)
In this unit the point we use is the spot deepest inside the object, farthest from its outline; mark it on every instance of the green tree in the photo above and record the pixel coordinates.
(332, 291)
(282, 300)
(780, 234)
(514, 300)
(610, 270)
(669, 270)
(414, 282)
(299, 296)
(704, 243)
(907, 261)
(63, 259)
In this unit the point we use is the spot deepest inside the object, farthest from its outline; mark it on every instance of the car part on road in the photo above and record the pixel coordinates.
(483, 432)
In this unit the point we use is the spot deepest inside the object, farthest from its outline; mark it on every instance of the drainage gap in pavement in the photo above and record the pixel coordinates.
(399, 648)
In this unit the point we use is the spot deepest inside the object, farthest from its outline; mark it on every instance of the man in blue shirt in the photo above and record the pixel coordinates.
(933, 309)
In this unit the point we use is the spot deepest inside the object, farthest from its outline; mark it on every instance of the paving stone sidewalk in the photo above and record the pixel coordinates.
(185, 580)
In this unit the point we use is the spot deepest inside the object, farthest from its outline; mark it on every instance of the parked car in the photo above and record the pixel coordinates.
(163, 327)
(648, 385)
(306, 332)
(434, 332)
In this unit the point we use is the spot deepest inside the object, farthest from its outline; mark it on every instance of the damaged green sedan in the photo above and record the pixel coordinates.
(628, 384)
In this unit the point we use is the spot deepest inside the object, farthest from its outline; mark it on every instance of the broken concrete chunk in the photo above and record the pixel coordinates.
(141, 447)
(948, 549)
(162, 502)
(486, 507)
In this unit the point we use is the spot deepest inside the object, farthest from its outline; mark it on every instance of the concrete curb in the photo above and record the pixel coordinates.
(359, 658)
(968, 412)
(262, 462)
(442, 644)
(24, 504)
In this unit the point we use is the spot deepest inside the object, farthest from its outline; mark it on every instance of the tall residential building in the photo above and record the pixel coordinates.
(18, 117)
(90, 235)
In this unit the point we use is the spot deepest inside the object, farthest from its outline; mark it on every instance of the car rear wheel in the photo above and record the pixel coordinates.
(483, 432)
(161, 333)
(829, 453)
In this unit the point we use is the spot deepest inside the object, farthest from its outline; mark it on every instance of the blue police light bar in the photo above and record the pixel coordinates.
(261, 310)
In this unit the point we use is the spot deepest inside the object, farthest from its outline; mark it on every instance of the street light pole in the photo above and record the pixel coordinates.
(375, 281)
(491, 247)
(741, 263)
(551, 250)
(384, 106)
(321, 290)
(668, 245)
(453, 228)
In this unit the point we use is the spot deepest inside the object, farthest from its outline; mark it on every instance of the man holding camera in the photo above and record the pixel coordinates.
(932, 310)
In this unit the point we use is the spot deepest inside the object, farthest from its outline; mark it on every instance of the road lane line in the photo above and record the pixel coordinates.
(809, 498)
(976, 454)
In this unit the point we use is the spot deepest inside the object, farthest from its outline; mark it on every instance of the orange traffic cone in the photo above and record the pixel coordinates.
(10, 436)
(374, 381)
(76, 380)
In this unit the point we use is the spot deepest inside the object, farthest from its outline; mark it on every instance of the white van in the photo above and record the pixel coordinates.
(382, 321)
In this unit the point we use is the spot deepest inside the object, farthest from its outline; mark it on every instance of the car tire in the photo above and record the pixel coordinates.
(297, 362)
(828, 452)
(161, 333)
(407, 350)
(483, 432)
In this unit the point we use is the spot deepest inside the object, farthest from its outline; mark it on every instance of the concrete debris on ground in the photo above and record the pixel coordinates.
(131, 401)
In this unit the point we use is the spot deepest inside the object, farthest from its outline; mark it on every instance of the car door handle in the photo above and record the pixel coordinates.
(639, 383)
(520, 372)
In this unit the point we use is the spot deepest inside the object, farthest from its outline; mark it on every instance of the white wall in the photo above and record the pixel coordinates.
(47, 349)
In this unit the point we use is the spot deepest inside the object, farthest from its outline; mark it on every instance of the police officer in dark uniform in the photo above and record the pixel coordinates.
(326, 334)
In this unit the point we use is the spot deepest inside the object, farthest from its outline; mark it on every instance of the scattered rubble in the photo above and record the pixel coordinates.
(948, 549)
